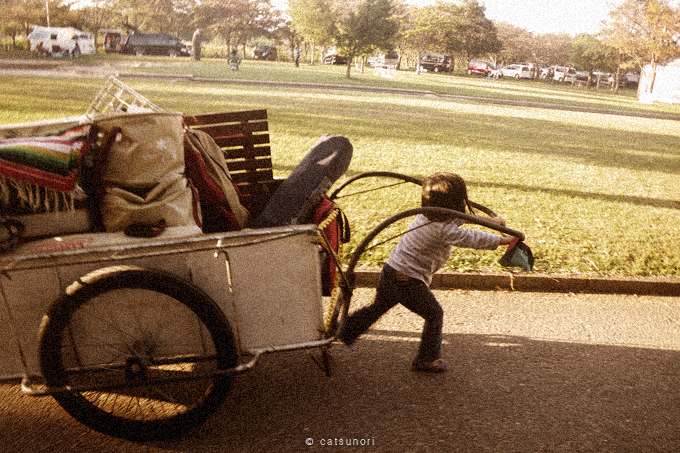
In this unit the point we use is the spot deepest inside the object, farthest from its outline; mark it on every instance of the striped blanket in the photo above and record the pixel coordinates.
(31, 164)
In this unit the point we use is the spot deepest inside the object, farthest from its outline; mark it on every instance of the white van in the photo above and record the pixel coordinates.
(60, 40)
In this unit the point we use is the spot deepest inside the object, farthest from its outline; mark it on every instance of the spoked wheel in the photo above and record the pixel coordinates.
(136, 352)
(342, 308)
(373, 174)
(401, 179)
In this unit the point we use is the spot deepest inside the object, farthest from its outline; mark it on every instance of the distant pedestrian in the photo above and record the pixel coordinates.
(423, 250)
(234, 59)
(550, 75)
(196, 42)
(298, 51)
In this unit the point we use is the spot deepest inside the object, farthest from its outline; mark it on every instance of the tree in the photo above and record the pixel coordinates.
(452, 28)
(363, 25)
(422, 30)
(589, 54)
(164, 16)
(467, 30)
(554, 48)
(517, 43)
(94, 16)
(313, 20)
(643, 31)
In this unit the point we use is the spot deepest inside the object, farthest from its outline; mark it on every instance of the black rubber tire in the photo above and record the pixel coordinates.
(137, 333)
(392, 175)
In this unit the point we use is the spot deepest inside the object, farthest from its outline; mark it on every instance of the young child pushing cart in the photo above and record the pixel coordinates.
(422, 251)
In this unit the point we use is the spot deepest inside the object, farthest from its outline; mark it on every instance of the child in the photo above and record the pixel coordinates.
(422, 251)
(234, 59)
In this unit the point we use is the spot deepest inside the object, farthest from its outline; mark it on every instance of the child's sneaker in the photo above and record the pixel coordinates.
(436, 366)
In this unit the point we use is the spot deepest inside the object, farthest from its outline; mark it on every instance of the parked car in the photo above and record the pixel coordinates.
(480, 67)
(389, 59)
(564, 74)
(112, 39)
(516, 71)
(435, 62)
(332, 57)
(627, 80)
(265, 52)
(632, 79)
(139, 44)
(582, 75)
(602, 77)
(60, 40)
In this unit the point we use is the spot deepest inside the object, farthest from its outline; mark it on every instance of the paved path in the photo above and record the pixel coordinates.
(529, 372)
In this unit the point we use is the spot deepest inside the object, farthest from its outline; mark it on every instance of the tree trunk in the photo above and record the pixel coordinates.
(617, 79)
(650, 88)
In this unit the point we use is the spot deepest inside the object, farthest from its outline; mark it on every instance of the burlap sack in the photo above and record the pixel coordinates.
(171, 199)
(149, 147)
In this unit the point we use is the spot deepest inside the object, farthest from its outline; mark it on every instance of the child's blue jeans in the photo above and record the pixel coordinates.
(413, 294)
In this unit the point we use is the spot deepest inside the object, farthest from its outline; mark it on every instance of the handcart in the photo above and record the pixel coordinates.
(140, 338)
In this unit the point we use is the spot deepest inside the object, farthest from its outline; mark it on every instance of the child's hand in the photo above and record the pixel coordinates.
(506, 240)
(498, 220)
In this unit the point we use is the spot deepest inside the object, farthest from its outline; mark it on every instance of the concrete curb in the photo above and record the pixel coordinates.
(651, 286)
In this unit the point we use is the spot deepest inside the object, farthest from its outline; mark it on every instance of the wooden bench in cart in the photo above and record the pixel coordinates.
(244, 138)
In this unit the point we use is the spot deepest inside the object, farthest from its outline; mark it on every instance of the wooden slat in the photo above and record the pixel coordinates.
(236, 165)
(225, 117)
(257, 141)
(253, 177)
(234, 129)
(244, 139)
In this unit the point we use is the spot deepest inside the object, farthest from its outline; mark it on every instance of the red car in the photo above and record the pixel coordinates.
(480, 67)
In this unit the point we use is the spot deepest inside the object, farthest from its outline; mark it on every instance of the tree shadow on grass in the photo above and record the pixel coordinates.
(627, 199)
(501, 393)
(536, 138)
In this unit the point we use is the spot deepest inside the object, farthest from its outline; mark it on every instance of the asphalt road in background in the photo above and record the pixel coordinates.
(529, 372)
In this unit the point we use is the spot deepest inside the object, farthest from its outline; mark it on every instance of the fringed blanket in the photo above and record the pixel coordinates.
(41, 171)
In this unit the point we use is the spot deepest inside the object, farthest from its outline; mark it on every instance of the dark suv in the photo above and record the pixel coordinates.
(480, 67)
(265, 53)
(154, 44)
(435, 62)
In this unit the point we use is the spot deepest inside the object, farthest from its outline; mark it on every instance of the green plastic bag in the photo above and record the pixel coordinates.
(518, 254)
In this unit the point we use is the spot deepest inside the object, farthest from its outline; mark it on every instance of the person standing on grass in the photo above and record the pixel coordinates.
(422, 251)
(234, 59)
(196, 42)
(298, 51)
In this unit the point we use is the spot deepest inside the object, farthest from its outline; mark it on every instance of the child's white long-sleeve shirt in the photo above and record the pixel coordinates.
(427, 246)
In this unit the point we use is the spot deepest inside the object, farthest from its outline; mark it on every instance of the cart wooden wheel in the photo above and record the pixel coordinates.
(135, 353)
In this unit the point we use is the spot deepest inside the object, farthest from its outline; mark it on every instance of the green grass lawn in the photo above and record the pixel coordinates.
(594, 193)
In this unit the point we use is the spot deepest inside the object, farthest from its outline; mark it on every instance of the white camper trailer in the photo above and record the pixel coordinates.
(60, 41)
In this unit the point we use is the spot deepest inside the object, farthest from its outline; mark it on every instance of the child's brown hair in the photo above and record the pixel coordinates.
(445, 190)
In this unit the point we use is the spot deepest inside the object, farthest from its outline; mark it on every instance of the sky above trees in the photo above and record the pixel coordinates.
(540, 16)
